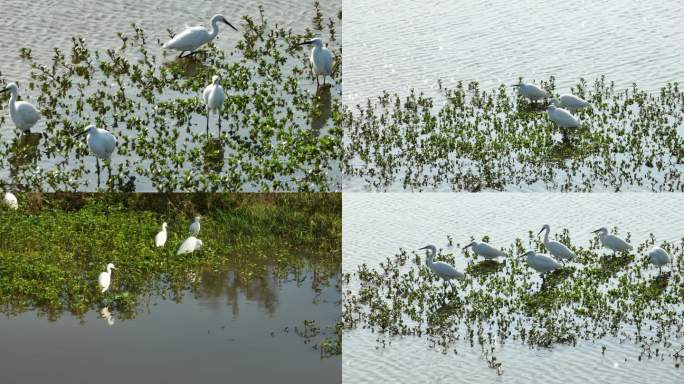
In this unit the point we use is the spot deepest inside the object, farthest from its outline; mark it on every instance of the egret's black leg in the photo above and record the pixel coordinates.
(219, 119)
(97, 168)
(207, 123)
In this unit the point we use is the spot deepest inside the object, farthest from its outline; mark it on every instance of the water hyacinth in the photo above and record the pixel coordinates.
(474, 139)
(280, 132)
(595, 296)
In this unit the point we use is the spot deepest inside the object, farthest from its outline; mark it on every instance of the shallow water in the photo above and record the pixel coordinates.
(375, 226)
(222, 330)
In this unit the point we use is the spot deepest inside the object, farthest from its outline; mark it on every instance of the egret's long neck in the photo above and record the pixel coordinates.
(429, 258)
(109, 269)
(546, 234)
(214, 29)
(12, 101)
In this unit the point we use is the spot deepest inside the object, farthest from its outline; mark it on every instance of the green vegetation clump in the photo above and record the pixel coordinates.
(55, 245)
(472, 139)
(279, 131)
(594, 296)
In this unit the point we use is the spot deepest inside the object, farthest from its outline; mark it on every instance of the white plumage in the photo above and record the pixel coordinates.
(105, 278)
(160, 238)
(612, 242)
(100, 142)
(10, 201)
(321, 59)
(659, 257)
(214, 97)
(195, 226)
(542, 263)
(555, 248)
(562, 117)
(485, 250)
(190, 245)
(531, 91)
(23, 114)
(443, 270)
(570, 102)
(194, 37)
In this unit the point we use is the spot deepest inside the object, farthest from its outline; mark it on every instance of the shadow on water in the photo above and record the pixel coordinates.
(484, 268)
(213, 152)
(24, 152)
(323, 108)
(188, 66)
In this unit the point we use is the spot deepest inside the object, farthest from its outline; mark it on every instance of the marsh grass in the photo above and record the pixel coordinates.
(53, 248)
(279, 131)
(471, 139)
(591, 298)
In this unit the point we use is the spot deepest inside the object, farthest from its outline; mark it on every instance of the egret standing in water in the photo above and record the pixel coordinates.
(10, 201)
(443, 270)
(194, 37)
(485, 250)
(160, 238)
(195, 226)
(321, 59)
(659, 257)
(102, 144)
(612, 242)
(531, 91)
(105, 278)
(213, 99)
(541, 263)
(556, 249)
(23, 114)
(190, 245)
(570, 102)
(562, 117)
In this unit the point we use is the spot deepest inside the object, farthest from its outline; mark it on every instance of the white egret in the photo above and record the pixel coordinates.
(612, 242)
(541, 263)
(160, 238)
(485, 250)
(556, 249)
(213, 99)
(194, 37)
(195, 226)
(531, 91)
(659, 257)
(23, 114)
(10, 201)
(562, 117)
(105, 278)
(321, 59)
(443, 270)
(102, 144)
(190, 245)
(570, 102)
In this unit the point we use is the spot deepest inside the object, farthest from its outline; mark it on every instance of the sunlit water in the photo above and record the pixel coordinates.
(375, 226)
(46, 25)
(223, 332)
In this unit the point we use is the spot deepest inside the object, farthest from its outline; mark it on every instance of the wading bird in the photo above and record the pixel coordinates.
(213, 99)
(160, 238)
(10, 201)
(105, 278)
(556, 249)
(194, 37)
(102, 144)
(321, 59)
(190, 245)
(612, 242)
(443, 270)
(659, 257)
(562, 117)
(23, 114)
(541, 263)
(485, 250)
(570, 102)
(530, 91)
(195, 226)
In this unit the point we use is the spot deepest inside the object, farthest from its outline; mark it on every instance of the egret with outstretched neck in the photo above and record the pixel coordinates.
(321, 59)
(530, 91)
(102, 144)
(570, 102)
(555, 248)
(443, 270)
(160, 238)
(213, 99)
(105, 278)
(612, 242)
(23, 114)
(194, 37)
(485, 250)
(659, 257)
